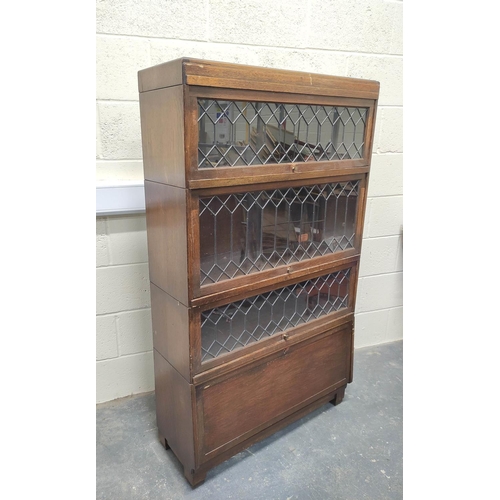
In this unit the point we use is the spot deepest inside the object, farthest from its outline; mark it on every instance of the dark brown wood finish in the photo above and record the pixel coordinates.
(167, 238)
(196, 72)
(370, 129)
(292, 181)
(351, 369)
(169, 317)
(241, 285)
(285, 172)
(339, 396)
(268, 345)
(161, 76)
(244, 404)
(174, 410)
(360, 214)
(262, 349)
(218, 293)
(207, 412)
(162, 130)
(261, 95)
(195, 340)
(264, 433)
(240, 175)
(272, 279)
(364, 91)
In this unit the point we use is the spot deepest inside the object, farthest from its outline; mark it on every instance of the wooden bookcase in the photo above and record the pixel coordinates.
(255, 183)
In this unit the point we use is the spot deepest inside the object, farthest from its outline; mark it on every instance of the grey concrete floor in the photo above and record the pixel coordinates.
(350, 451)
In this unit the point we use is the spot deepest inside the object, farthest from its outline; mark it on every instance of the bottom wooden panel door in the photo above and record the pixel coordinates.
(237, 407)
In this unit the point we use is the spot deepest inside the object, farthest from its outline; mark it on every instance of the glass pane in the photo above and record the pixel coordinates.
(256, 133)
(230, 327)
(242, 233)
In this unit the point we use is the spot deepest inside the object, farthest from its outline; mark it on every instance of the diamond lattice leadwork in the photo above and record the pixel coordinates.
(235, 325)
(236, 133)
(242, 233)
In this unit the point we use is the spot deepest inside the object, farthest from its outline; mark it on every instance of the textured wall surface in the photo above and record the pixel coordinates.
(362, 38)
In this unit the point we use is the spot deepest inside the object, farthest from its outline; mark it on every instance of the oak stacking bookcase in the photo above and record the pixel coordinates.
(256, 182)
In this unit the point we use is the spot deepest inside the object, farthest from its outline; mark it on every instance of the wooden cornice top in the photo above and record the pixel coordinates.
(198, 72)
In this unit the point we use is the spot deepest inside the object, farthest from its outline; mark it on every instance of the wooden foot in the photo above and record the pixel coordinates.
(195, 478)
(338, 397)
(163, 441)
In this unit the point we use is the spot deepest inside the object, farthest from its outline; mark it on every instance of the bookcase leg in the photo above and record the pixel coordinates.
(163, 441)
(195, 478)
(338, 397)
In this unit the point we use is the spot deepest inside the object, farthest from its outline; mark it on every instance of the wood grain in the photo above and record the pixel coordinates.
(162, 131)
(217, 74)
(170, 319)
(228, 452)
(167, 238)
(272, 279)
(254, 354)
(207, 412)
(174, 413)
(245, 95)
(162, 75)
(242, 405)
(273, 173)
(205, 73)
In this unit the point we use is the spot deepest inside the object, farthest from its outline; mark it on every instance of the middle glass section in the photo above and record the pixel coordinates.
(242, 233)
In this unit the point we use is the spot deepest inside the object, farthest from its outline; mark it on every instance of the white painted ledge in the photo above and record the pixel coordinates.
(118, 198)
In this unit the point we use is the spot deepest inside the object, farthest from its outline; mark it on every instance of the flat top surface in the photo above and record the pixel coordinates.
(239, 76)
(350, 451)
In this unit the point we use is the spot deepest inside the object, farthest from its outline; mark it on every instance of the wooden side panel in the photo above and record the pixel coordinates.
(162, 129)
(174, 410)
(171, 330)
(167, 238)
(162, 75)
(244, 404)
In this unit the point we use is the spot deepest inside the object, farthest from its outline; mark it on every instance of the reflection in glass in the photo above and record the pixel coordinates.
(236, 133)
(235, 325)
(242, 233)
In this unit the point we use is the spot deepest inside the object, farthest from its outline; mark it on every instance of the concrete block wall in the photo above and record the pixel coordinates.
(358, 38)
